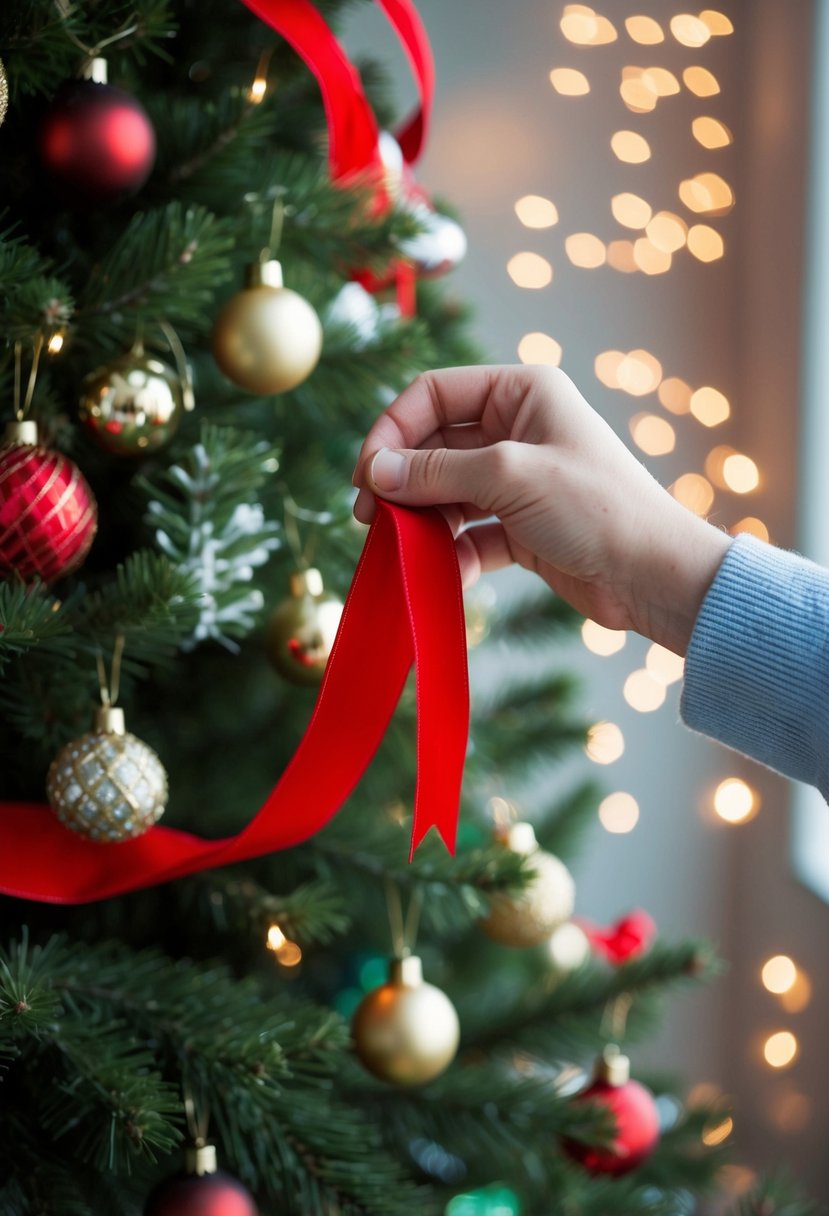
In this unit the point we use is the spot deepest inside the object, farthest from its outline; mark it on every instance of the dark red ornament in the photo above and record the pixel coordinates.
(48, 514)
(96, 141)
(201, 1190)
(634, 1110)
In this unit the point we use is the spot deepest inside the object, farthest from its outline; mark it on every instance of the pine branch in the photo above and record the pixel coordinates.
(32, 617)
(777, 1197)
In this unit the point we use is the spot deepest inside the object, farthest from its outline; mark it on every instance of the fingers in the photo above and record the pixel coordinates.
(482, 550)
(440, 476)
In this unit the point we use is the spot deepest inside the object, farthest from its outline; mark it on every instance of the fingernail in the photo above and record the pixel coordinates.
(387, 469)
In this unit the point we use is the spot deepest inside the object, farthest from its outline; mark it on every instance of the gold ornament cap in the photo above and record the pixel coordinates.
(518, 838)
(612, 1067)
(264, 274)
(109, 720)
(200, 1159)
(406, 972)
(306, 582)
(23, 431)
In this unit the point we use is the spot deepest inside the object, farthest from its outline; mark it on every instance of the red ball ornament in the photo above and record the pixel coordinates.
(48, 515)
(96, 141)
(210, 1192)
(634, 1110)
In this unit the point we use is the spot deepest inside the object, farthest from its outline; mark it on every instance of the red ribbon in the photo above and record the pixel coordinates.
(405, 603)
(629, 937)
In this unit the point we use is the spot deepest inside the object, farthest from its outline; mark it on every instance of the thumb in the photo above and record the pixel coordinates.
(432, 476)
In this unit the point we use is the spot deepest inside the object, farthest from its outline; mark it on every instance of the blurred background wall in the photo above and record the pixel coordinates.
(505, 130)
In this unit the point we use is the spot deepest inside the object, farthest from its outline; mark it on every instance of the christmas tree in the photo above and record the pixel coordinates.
(184, 257)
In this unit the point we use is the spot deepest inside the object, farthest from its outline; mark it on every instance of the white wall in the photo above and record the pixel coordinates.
(501, 132)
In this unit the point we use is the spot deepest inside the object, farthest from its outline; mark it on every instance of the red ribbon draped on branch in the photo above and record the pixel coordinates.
(405, 604)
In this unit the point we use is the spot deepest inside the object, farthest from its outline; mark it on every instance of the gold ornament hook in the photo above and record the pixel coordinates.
(182, 366)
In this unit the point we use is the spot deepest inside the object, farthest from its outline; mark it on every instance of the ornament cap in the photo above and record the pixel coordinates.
(109, 720)
(201, 1159)
(264, 274)
(306, 582)
(95, 70)
(406, 972)
(612, 1067)
(518, 837)
(23, 432)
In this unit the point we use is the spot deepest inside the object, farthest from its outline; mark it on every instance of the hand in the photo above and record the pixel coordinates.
(570, 501)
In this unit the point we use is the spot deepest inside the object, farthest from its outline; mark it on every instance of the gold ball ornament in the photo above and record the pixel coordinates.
(530, 916)
(569, 948)
(406, 1031)
(132, 406)
(4, 92)
(107, 785)
(301, 630)
(267, 338)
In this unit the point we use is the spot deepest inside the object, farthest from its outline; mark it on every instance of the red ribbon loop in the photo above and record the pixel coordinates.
(405, 603)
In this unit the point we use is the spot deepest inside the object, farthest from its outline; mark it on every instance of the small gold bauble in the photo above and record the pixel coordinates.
(301, 630)
(569, 947)
(132, 406)
(107, 785)
(267, 338)
(406, 1031)
(4, 91)
(529, 917)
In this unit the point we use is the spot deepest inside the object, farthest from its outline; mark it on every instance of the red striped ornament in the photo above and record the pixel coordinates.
(48, 514)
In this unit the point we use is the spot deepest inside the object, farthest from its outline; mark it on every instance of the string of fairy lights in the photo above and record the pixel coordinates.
(650, 241)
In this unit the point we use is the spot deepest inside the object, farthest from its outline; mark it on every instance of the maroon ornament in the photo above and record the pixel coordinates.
(48, 514)
(635, 1114)
(201, 1191)
(96, 141)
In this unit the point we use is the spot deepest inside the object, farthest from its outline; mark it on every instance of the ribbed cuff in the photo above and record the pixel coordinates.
(757, 668)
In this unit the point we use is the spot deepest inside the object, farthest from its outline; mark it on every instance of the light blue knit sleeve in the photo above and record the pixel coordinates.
(757, 668)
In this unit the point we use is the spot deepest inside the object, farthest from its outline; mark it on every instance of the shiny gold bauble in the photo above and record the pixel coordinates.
(132, 406)
(529, 917)
(267, 338)
(301, 630)
(406, 1031)
(4, 91)
(107, 785)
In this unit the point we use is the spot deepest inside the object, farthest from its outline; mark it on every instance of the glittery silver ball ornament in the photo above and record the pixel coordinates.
(4, 92)
(107, 785)
(530, 917)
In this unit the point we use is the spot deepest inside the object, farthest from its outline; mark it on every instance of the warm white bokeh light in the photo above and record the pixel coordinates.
(654, 435)
(605, 743)
(540, 348)
(649, 258)
(638, 373)
(644, 30)
(717, 22)
(675, 395)
(711, 133)
(690, 30)
(569, 82)
(705, 243)
(630, 147)
(620, 257)
(276, 938)
(535, 211)
(780, 1049)
(642, 692)
(718, 1131)
(694, 492)
(779, 974)
(667, 231)
(740, 473)
(530, 270)
(707, 193)
(602, 641)
(606, 366)
(663, 82)
(638, 93)
(700, 82)
(709, 406)
(752, 525)
(630, 210)
(796, 998)
(664, 665)
(584, 27)
(735, 801)
(585, 250)
(619, 813)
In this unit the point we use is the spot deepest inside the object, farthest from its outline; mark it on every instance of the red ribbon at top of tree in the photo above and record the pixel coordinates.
(352, 128)
(405, 604)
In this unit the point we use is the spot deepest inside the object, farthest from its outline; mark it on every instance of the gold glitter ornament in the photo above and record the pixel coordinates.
(530, 916)
(107, 785)
(406, 1031)
(4, 92)
(301, 630)
(266, 338)
(132, 405)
